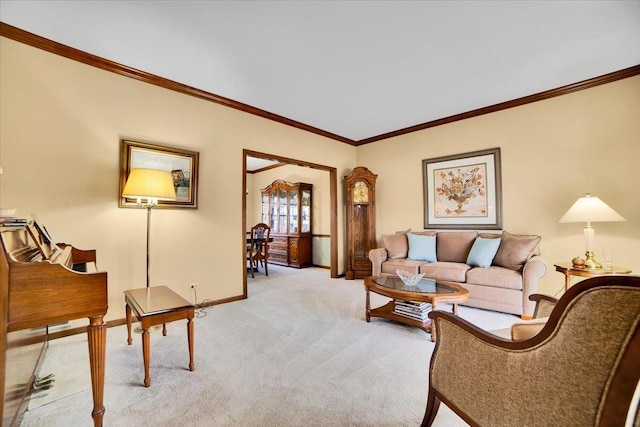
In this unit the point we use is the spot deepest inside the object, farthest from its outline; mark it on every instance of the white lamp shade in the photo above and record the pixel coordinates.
(591, 209)
(149, 184)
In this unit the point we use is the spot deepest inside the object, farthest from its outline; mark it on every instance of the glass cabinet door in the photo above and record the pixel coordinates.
(282, 211)
(273, 222)
(305, 211)
(293, 211)
(265, 208)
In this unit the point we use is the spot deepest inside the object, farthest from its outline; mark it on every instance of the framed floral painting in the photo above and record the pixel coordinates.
(463, 191)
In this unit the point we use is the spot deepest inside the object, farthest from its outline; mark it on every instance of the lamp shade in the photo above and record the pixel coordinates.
(149, 184)
(591, 209)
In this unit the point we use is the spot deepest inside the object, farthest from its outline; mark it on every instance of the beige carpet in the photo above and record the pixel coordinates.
(297, 352)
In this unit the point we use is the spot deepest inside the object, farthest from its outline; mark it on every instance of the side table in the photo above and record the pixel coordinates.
(153, 306)
(569, 271)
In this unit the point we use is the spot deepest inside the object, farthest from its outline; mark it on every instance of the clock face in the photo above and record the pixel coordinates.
(360, 192)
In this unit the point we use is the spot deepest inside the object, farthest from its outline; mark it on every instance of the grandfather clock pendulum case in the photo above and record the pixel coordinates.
(361, 221)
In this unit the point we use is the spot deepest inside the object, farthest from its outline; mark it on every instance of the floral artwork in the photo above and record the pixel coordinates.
(461, 191)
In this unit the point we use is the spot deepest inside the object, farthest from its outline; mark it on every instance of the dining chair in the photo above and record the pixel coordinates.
(258, 247)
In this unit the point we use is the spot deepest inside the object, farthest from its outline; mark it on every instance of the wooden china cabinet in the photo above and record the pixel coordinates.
(286, 207)
(361, 221)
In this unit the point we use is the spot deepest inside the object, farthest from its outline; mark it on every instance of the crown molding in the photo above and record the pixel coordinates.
(552, 93)
(45, 44)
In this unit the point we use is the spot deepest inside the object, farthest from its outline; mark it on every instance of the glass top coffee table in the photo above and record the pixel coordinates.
(412, 304)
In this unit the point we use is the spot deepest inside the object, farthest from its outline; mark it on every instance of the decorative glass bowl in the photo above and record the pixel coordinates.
(409, 279)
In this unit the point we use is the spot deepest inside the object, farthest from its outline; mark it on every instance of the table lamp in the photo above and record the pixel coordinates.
(150, 185)
(590, 209)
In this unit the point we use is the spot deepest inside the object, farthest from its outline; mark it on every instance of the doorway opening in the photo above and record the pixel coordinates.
(333, 202)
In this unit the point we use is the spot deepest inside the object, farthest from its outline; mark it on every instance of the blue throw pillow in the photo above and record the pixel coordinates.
(422, 248)
(482, 252)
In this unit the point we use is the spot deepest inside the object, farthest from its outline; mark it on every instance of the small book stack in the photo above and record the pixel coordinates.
(12, 222)
(414, 310)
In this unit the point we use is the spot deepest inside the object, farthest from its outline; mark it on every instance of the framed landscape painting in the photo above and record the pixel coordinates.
(463, 191)
(182, 164)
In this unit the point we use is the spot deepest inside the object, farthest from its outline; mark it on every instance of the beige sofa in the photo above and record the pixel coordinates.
(500, 282)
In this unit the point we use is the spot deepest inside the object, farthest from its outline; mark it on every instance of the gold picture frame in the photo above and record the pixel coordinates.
(183, 165)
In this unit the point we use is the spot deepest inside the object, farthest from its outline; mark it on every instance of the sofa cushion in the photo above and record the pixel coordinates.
(482, 252)
(454, 246)
(497, 277)
(396, 244)
(422, 248)
(449, 271)
(390, 266)
(514, 250)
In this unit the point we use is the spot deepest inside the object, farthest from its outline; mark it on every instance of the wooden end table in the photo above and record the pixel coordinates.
(427, 290)
(153, 306)
(569, 271)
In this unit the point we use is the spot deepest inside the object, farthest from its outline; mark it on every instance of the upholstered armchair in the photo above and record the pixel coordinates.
(581, 369)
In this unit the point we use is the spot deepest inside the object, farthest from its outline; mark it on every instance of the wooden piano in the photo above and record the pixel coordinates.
(40, 287)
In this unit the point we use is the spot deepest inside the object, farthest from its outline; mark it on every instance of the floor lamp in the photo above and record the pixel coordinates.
(149, 185)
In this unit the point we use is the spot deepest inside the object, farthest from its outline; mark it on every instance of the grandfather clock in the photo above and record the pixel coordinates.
(361, 221)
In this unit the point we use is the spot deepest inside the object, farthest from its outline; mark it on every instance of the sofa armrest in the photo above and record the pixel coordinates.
(377, 257)
(534, 269)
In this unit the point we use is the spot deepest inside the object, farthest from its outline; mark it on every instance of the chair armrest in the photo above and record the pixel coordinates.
(467, 328)
(534, 269)
(539, 297)
(544, 305)
(377, 257)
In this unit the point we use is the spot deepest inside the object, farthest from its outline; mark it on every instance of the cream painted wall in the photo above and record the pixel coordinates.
(60, 128)
(553, 152)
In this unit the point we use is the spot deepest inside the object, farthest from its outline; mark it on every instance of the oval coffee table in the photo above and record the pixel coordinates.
(411, 304)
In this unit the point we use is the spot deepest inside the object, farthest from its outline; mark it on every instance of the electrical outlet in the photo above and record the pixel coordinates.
(194, 286)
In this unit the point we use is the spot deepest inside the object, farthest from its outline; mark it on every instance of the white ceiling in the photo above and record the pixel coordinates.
(254, 163)
(357, 69)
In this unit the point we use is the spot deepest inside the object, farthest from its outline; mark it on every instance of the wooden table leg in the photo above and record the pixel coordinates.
(97, 338)
(368, 307)
(433, 326)
(146, 350)
(190, 338)
(128, 314)
(567, 281)
(455, 308)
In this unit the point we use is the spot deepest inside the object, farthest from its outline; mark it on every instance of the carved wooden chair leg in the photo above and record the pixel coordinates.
(433, 404)
(251, 266)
